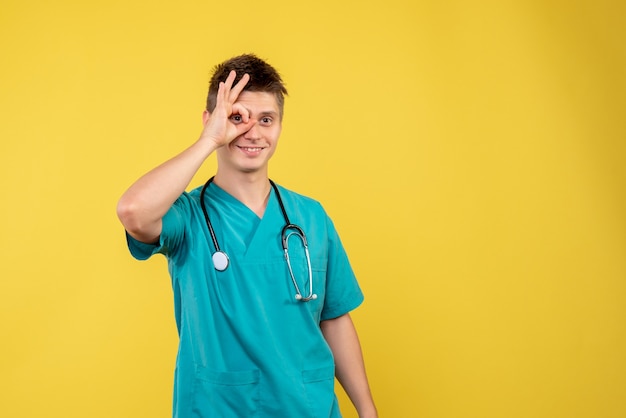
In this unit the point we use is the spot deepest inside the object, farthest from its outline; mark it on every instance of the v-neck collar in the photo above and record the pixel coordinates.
(241, 230)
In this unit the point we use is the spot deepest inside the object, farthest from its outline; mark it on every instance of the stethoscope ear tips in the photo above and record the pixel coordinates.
(312, 297)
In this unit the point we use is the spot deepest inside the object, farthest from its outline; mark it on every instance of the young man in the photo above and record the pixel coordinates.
(263, 330)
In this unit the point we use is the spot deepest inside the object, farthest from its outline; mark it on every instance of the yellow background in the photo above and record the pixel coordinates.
(472, 155)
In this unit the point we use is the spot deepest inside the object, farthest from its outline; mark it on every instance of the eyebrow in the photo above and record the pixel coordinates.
(268, 113)
(263, 113)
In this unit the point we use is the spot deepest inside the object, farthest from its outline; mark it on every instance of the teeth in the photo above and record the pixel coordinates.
(252, 149)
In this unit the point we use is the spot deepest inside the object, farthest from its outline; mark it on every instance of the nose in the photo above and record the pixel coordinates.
(253, 133)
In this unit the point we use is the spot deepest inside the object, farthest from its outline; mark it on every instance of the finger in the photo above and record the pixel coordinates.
(230, 79)
(242, 127)
(223, 89)
(238, 109)
(236, 91)
(221, 93)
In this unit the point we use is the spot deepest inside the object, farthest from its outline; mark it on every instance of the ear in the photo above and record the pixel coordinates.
(205, 117)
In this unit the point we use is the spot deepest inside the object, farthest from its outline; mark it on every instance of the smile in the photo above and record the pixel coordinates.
(251, 150)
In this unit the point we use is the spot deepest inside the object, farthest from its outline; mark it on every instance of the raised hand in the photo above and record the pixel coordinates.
(229, 119)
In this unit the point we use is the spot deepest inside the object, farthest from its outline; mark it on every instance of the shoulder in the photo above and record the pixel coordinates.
(193, 193)
(291, 198)
(303, 209)
(183, 209)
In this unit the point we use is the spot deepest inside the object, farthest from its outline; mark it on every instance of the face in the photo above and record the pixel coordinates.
(251, 151)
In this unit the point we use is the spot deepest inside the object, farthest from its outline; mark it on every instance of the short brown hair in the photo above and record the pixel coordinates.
(263, 77)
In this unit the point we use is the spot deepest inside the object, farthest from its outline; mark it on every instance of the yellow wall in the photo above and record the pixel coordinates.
(472, 155)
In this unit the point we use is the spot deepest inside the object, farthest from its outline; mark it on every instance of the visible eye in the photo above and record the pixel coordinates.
(266, 120)
(236, 119)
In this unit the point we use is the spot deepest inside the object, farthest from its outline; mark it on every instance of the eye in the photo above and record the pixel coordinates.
(266, 120)
(236, 119)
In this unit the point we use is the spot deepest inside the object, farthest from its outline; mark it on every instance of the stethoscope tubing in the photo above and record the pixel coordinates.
(220, 258)
(206, 215)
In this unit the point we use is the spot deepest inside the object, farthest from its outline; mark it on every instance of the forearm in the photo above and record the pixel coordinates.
(142, 206)
(145, 203)
(349, 365)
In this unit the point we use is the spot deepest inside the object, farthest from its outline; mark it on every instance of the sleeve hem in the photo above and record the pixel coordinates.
(140, 250)
(341, 310)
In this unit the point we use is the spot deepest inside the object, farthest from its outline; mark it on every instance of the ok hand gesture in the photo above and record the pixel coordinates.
(219, 125)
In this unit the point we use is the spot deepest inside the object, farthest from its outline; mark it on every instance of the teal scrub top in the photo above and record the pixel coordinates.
(247, 347)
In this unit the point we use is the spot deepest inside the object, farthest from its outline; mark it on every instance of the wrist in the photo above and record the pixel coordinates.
(368, 412)
(208, 144)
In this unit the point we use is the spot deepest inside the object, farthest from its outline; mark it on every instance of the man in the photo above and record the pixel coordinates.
(261, 334)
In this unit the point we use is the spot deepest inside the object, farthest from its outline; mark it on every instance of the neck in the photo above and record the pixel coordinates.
(251, 189)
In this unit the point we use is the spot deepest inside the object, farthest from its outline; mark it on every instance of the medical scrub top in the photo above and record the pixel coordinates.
(247, 347)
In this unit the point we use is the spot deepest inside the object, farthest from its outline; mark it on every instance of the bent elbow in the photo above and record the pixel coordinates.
(138, 221)
(127, 213)
(133, 217)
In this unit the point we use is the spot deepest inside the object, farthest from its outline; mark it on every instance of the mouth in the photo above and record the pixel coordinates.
(250, 151)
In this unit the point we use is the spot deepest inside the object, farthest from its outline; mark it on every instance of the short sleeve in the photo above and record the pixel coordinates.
(172, 232)
(343, 293)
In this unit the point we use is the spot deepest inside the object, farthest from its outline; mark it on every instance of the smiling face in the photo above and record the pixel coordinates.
(251, 151)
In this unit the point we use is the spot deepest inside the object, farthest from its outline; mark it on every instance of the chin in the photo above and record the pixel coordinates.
(250, 170)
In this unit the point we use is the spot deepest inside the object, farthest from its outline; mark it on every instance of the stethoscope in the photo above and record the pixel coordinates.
(221, 260)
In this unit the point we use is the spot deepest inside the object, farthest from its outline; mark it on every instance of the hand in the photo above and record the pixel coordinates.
(229, 119)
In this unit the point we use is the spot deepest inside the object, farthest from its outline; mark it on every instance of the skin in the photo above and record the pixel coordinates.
(143, 205)
(341, 336)
(243, 131)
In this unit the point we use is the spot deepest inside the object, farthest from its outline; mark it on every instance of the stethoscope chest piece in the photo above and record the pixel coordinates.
(220, 260)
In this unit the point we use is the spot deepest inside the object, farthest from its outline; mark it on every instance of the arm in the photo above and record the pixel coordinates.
(349, 366)
(144, 204)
